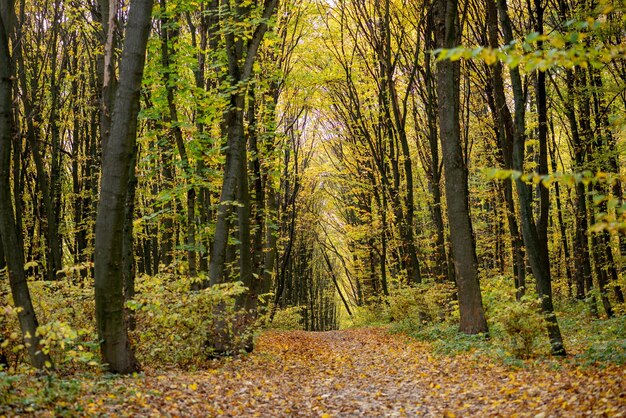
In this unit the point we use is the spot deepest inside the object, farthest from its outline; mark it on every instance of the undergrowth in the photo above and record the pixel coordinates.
(517, 336)
(172, 325)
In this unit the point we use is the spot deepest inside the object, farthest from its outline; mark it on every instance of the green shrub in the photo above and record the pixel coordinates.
(524, 327)
(518, 326)
(604, 352)
(173, 325)
(407, 307)
(375, 311)
(289, 318)
(67, 331)
(66, 346)
(177, 327)
(416, 306)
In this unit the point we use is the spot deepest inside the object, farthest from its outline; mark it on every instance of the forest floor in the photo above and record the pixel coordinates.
(364, 372)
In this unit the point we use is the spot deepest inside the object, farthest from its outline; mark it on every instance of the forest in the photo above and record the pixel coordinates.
(312, 208)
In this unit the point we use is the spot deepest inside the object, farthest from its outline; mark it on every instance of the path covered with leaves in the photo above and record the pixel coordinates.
(354, 373)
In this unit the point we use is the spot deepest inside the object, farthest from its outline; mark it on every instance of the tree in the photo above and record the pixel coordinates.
(117, 156)
(11, 241)
(235, 183)
(463, 248)
(535, 248)
(503, 126)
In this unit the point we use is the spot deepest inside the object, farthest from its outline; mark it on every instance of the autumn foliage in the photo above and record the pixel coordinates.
(352, 373)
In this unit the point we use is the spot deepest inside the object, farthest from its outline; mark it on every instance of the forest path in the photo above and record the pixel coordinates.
(365, 373)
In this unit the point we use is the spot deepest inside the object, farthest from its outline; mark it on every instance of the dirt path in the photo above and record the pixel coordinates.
(364, 373)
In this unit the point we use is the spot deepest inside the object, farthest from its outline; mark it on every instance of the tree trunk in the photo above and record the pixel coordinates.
(235, 141)
(605, 143)
(562, 228)
(240, 69)
(539, 264)
(504, 131)
(168, 37)
(117, 158)
(542, 130)
(128, 253)
(442, 264)
(461, 236)
(13, 247)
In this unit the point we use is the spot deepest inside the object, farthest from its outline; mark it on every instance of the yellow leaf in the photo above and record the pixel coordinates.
(557, 42)
(488, 56)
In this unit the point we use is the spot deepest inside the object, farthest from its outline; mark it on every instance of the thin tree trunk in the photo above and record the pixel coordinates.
(240, 73)
(504, 123)
(13, 247)
(168, 37)
(128, 253)
(52, 250)
(562, 229)
(442, 264)
(539, 264)
(542, 130)
(606, 142)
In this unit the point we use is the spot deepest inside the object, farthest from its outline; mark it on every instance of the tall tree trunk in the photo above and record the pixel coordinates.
(13, 247)
(605, 142)
(463, 249)
(240, 69)
(128, 253)
(235, 141)
(398, 114)
(249, 301)
(539, 264)
(504, 131)
(117, 158)
(199, 74)
(542, 130)
(582, 274)
(442, 264)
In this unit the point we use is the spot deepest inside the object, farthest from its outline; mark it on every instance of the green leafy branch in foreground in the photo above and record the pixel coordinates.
(579, 43)
(613, 220)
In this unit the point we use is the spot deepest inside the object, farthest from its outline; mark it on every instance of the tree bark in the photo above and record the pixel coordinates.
(434, 180)
(539, 264)
(542, 131)
(240, 69)
(504, 131)
(463, 249)
(13, 247)
(117, 158)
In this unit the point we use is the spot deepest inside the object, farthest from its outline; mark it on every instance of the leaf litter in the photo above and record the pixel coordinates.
(355, 373)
